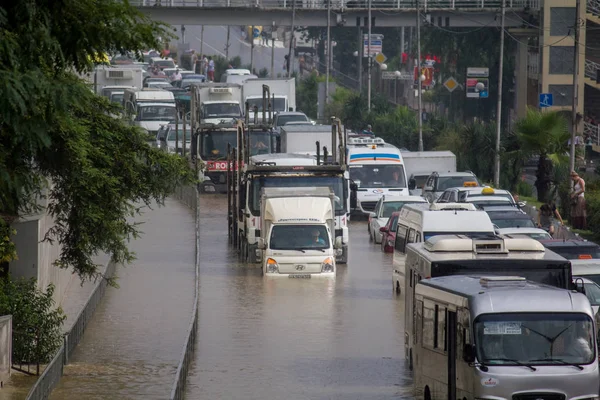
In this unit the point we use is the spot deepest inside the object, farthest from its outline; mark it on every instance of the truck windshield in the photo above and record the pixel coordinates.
(378, 176)
(156, 113)
(336, 183)
(278, 104)
(179, 135)
(284, 119)
(214, 144)
(299, 237)
(260, 143)
(553, 273)
(534, 339)
(218, 110)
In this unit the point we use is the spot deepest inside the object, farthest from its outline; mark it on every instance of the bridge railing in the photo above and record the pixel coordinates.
(591, 69)
(593, 7)
(343, 4)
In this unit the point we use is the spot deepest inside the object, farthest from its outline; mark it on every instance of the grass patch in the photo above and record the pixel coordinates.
(587, 235)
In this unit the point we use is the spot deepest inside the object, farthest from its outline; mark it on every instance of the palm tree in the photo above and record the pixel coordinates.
(544, 134)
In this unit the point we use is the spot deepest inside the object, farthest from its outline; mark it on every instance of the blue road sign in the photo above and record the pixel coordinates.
(483, 94)
(546, 100)
(256, 32)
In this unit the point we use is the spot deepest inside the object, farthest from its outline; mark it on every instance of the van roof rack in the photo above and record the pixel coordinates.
(488, 281)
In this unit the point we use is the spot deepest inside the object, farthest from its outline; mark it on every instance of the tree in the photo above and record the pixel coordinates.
(544, 134)
(36, 322)
(54, 130)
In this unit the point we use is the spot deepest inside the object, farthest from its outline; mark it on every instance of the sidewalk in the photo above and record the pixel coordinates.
(278, 43)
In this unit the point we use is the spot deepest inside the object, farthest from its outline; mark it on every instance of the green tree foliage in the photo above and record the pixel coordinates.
(53, 128)
(307, 95)
(36, 321)
(544, 134)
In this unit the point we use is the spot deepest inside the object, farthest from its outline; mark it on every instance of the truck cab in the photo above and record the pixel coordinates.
(217, 103)
(149, 108)
(298, 239)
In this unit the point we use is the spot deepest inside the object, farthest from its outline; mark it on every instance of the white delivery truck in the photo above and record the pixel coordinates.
(149, 108)
(283, 95)
(420, 164)
(302, 139)
(107, 80)
(298, 236)
(217, 103)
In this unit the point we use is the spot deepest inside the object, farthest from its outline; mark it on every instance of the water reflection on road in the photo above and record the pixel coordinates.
(279, 338)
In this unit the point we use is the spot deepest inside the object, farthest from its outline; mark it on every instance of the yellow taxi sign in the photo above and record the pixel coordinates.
(470, 184)
(488, 191)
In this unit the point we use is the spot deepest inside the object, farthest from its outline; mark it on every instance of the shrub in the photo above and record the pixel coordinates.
(524, 189)
(592, 201)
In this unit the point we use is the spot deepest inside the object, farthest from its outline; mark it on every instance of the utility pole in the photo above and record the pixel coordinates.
(202, 41)
(499, 102)
(575, 88)
(273, 34)
(182, 33)
(252, 50)
(420, 91)
(369, 61)
(361, 44)
(227, 45)
(328, 51)
(292, 39)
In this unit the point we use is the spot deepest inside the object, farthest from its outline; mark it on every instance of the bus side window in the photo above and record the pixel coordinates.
(411, 278)
(401, 233)
(436, 322)
(428, 335)
(411, 236)
(442, 328)
(418, 238)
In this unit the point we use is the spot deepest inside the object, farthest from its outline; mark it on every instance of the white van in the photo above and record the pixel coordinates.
(149, 108)
(419, 222)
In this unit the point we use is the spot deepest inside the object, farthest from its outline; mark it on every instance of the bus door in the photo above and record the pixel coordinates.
(451, 352)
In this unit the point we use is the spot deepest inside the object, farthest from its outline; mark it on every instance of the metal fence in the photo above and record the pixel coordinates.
(343, 4)
(593, 131)
(593, 7)
(189, 196)
(53, 372)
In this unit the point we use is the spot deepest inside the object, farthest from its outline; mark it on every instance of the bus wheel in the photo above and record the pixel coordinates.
(398, 291)
(410, 360)
(427, 393)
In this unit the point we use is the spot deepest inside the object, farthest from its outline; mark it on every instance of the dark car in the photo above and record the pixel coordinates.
(510, 218)
(573, 249)
(388, 233)
(189, 79)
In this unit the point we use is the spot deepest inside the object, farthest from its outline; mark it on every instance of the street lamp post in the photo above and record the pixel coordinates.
(420, 81)
(370, 61)
(499, 102)
(397, 75)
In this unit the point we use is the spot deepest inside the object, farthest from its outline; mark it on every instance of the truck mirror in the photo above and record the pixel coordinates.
(338, 243)
(353, 186)
(469, 353)
(353, 198)
(412, 184)
(262, 244)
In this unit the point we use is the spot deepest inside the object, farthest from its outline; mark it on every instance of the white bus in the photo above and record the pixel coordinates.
(459, 255)
(494, 337)
(419, 222)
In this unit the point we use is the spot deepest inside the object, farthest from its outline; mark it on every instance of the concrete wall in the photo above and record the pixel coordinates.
(5, 347)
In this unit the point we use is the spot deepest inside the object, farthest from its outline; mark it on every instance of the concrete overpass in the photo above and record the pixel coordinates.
(351, 13)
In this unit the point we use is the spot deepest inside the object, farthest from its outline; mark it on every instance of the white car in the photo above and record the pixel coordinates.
(534, 233)
(384, 209)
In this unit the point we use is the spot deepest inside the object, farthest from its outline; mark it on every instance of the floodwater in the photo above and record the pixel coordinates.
(133, 343)
(296, 339)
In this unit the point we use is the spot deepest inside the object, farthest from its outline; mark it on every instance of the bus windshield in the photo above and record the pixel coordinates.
(378, 176)
(336, 183)
(534, 339)
(553, 273)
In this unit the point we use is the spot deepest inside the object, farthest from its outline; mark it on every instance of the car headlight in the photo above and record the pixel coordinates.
(272, 266)
(327, 265)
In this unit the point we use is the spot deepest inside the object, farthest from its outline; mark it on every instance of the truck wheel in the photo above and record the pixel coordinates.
(410, 361)
(251, 253)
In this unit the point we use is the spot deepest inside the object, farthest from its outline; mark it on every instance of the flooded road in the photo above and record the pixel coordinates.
(133, 343)
(282, 338)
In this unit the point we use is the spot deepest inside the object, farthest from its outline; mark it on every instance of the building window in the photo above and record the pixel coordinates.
(561, 60)
(562, 21)
(562, 94)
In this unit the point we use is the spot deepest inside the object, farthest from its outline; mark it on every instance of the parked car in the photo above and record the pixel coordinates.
(574, 249)
(438, 182)
(510, 217)
(388, 233)
(384, 209)
(534, 233)
(467, 194)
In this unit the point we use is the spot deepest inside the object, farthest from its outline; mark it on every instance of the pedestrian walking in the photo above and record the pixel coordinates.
(211, 69)
(547, 216)
(578, 212)
(265, 39)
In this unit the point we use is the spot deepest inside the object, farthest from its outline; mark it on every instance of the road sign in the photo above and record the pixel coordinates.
(380, 58)
(478, 72)
(451, 84)
(376, 45)
(477, 91)
(546, 100)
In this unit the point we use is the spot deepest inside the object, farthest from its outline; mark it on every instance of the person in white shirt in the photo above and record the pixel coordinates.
(176, 76)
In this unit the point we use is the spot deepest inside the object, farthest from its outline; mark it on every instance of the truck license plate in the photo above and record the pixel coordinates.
(300, 276)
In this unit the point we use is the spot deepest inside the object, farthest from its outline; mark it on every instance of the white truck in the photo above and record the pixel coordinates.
(420, 164)
(283, 95)
(298, 236)
(217, 103)
(111, 82)
(149, 108)
(302, 139)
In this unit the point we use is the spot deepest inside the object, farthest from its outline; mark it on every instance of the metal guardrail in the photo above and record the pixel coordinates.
(53, 372)
(189, 196)
(591, 69)
(593, 7)
(593, 131)
(342, 4)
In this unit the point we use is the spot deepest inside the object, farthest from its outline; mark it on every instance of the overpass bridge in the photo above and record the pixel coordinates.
(350, 13)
